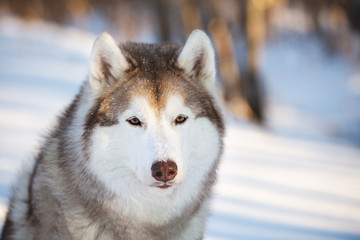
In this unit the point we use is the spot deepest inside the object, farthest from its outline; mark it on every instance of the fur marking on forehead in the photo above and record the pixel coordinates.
(156, 93)
(150, 59)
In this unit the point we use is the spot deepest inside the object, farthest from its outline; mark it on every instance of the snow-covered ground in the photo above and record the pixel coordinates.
(288, 181)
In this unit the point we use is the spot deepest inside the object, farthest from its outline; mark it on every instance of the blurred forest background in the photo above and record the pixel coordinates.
(290, 66)
(239, 30)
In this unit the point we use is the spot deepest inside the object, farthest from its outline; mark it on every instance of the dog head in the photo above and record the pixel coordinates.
(154, 120)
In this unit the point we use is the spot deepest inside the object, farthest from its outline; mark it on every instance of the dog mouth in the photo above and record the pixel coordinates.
(163, 185)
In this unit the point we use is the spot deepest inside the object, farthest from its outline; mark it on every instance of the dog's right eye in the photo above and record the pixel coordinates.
(134, 121)
(180, 119)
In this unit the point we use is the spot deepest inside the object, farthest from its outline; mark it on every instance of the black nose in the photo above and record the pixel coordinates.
(164, 171)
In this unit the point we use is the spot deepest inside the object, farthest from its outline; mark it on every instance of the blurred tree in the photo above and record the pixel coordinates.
(162, 10)
(255, 26)
(241, 88)
(190, 15)
(228, 66)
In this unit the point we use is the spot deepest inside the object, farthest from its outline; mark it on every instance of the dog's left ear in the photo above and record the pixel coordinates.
(197, 58)
(107, 64)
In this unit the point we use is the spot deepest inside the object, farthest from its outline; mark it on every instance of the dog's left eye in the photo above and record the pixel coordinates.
(180, 119)
(134, 121)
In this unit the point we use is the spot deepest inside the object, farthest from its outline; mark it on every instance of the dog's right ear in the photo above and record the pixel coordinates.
(107, 64)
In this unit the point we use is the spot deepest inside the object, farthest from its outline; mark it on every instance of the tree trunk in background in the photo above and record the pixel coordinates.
(228, 66)
(190, 15)
(255, 37)
(164, 23)
(352, 10)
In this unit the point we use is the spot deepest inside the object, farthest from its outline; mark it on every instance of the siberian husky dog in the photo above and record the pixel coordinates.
(135, 154)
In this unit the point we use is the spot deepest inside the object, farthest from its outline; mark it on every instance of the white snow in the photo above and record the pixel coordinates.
(274, 187)
(291, 180)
